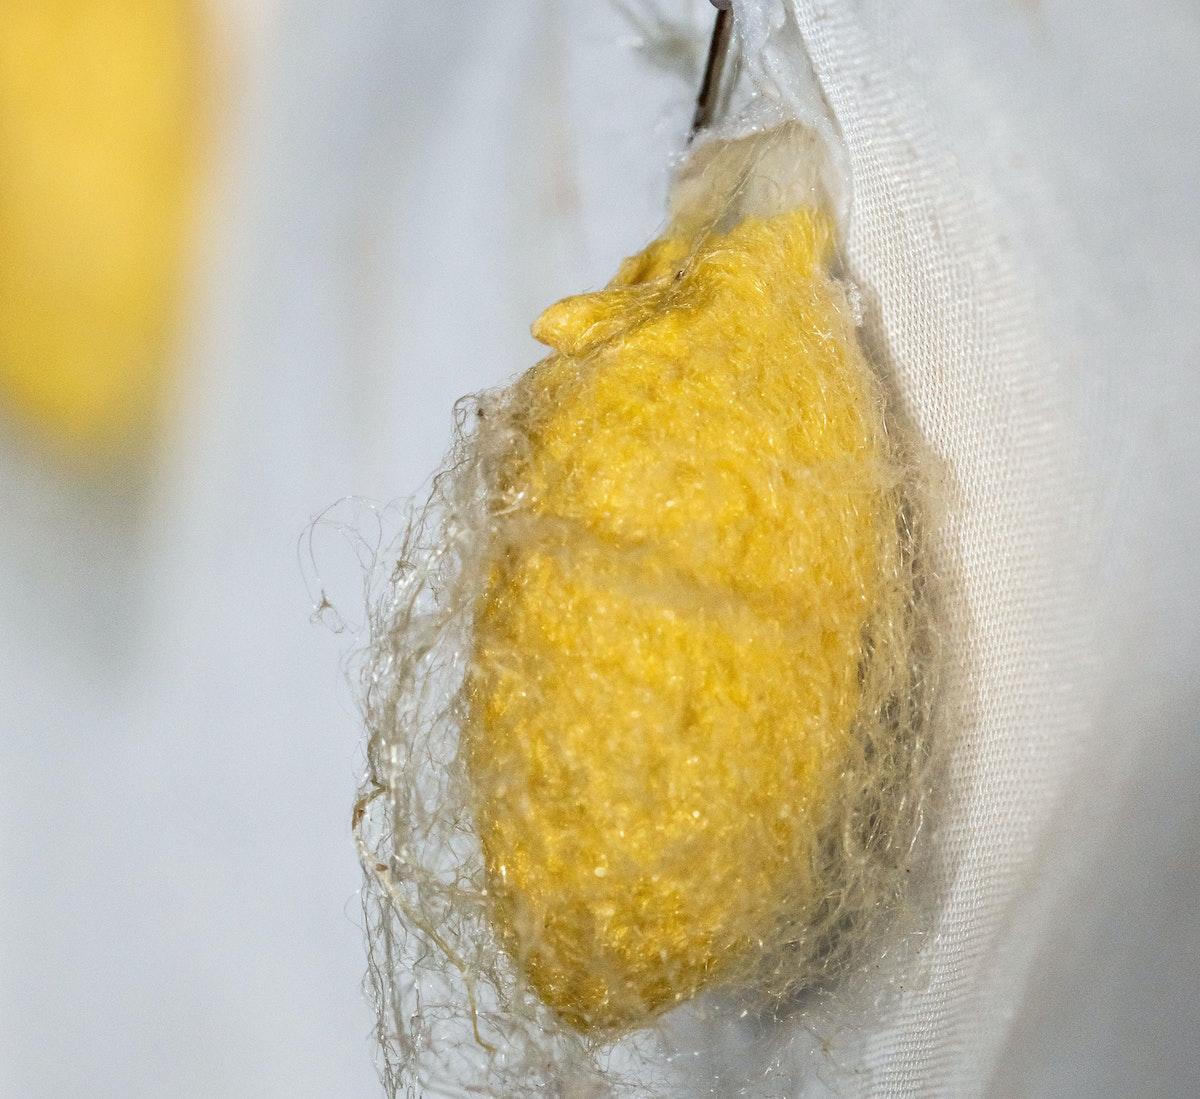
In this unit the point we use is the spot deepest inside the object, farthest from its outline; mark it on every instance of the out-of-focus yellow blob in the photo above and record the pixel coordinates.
(98, 150)
(694, 530)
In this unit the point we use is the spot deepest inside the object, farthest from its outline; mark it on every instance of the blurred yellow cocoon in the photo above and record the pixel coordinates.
(99, 128)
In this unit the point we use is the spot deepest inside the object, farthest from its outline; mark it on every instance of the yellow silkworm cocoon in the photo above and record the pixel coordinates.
(98, 145)
(695, 532)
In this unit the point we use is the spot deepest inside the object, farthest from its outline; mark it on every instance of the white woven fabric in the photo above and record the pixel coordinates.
(954, 311)
(999, 233)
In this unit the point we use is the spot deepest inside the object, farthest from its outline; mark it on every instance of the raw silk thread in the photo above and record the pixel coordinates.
(648, 698)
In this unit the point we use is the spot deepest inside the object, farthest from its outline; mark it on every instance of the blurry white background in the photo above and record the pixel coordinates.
(397, 195)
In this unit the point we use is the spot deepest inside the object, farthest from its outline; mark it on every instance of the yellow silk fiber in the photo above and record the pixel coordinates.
(649, 683)
(98, 149)
(668, 652)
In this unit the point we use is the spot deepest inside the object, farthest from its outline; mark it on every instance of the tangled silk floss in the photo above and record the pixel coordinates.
(647, 693)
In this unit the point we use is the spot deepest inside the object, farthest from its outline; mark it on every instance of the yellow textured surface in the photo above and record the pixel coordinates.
(668, 649)
(98, 136)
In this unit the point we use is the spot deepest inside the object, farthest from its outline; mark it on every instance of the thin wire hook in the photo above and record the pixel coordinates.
(718, 51)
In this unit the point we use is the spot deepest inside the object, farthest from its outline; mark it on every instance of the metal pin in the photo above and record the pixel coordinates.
(718, 50)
